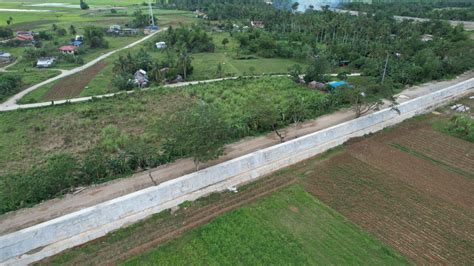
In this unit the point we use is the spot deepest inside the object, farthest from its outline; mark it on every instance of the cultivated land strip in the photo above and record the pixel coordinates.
(93, 195)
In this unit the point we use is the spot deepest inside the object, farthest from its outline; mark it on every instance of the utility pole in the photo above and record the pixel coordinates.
(151, 13)
(385, 68)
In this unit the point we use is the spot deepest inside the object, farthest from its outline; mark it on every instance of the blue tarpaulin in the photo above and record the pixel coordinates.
(336, 84)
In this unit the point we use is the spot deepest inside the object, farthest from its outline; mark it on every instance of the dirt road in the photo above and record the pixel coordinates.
(96, 194)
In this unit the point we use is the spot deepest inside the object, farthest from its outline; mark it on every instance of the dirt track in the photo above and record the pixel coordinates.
(90, 196)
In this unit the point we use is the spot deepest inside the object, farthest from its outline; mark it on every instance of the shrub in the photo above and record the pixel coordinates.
(6, 32)
(463, 126)
(9, 85)
(44, 182)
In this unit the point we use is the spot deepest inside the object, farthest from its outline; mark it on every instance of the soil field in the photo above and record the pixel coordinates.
(72, 86)
(410, 187)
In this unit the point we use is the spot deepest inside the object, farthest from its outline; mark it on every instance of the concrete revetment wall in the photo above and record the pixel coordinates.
(51, 237)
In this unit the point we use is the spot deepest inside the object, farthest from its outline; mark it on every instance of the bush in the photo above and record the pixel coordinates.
(123, 82)
(462, 126)
(53, 178)
(94, 37)
(6, 32)
(9, 85)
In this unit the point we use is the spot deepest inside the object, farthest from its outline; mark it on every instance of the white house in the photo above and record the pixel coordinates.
(160, 45)
(140, 78)
(5, 57)
(45, 62)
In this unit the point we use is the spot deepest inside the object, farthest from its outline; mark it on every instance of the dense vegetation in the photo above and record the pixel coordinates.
(92, 149)
(461, 126)
(180, 43)
(363, 42)
(9, 85)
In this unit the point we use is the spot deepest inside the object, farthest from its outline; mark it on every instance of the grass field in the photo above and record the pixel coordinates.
(31, 135)
(289, 227)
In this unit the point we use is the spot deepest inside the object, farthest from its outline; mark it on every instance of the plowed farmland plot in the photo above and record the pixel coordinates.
(73, 85)
(410, 187)
(441, 148)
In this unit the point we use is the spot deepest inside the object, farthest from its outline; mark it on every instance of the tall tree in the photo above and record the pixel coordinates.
(198, 131)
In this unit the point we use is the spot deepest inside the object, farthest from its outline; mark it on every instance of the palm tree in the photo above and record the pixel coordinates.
(184, 59)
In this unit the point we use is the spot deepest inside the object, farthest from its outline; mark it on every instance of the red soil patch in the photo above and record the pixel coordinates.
(73, 85)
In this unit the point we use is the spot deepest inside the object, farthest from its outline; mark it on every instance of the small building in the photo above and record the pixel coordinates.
(341, 83)
(76, 43)
(45, 62)
(426, 37)
(160, 45)
(140, 78)
(343, 63)
(316, 85)
(128, 31)
(257, 24)
(115, 27)
(24, 33)
(24, 38)
(150, 29)
(68, 49)
(6, 57)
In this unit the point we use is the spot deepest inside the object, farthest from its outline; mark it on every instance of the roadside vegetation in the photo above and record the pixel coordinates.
(94, 142)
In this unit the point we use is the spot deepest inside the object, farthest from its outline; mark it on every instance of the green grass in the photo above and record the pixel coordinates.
(289, 227)
(28, 136)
